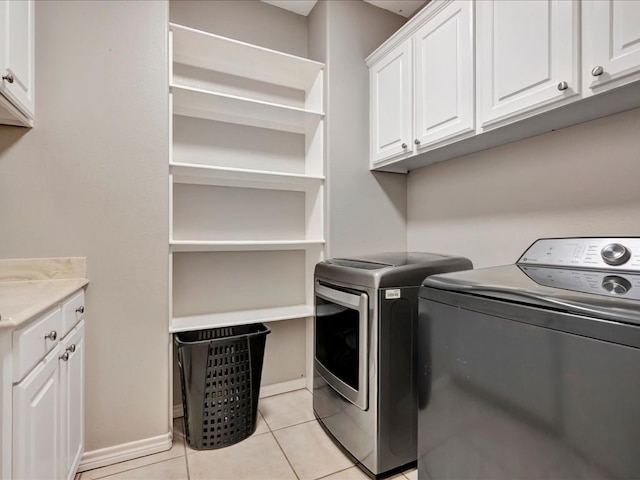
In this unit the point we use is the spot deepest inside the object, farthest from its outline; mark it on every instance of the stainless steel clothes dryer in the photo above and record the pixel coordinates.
(532, 370)
(364, 393)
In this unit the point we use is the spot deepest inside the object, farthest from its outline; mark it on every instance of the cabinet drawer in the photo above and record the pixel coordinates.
(31, 343)
(72, 312)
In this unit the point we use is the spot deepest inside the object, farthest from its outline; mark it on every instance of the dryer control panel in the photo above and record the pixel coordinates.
(596, 253)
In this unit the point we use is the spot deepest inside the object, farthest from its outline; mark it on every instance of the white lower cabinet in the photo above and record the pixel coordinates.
(72, 401)
(48, 404)
(36, 422)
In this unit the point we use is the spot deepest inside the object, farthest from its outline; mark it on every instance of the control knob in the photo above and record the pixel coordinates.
(616, 285)
(615, 254)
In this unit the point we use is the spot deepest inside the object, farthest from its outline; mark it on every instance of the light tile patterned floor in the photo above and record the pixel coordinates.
(288, 444)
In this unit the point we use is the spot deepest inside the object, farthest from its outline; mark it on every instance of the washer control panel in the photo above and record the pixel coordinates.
(601, 253)
(615, 254)
(621, 285)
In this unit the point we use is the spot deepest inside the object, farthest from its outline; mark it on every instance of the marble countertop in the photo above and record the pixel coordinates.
(29, 287)
(21, 301)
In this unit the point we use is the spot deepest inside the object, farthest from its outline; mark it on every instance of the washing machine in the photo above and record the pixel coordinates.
(364, 393)
(532, 370)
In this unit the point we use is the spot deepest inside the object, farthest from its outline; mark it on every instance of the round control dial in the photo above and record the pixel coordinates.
(615, 254)
(616, 285)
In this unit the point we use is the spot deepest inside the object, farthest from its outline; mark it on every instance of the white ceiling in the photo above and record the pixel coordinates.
(301, 7)
(406, 8)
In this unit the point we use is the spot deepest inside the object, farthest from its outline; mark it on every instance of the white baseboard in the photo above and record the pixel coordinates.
(265, 391)
(126, 451)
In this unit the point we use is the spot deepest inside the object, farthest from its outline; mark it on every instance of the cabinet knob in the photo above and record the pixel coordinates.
(416, 141)
(563, 86)
(80, 309)
(52, 335)
(71, 348)
(597, 71)
(8, 77)
(64, 357)
(404, 145)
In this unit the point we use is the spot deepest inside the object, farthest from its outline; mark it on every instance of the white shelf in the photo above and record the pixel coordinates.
(198, 103)
(235, 246)
(266, 121)
(228, 319)
(206, 50)
(190, 173)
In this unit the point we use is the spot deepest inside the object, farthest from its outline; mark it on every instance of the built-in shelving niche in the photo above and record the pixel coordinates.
(246, 189)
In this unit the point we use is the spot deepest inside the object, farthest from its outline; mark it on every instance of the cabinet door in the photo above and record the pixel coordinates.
(36, 426)
(611, 38)
(390, 82)
(72, 401)
(527, 56)
(444, 75)
(17, 53)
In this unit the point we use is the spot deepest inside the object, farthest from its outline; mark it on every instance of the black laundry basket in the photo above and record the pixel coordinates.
(220, 371)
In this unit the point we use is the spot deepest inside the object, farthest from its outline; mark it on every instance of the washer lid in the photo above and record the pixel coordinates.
(596, 293)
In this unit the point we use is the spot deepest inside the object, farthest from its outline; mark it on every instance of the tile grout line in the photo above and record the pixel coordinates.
(285, 456)
(314, 421)
(186, 458)
(294, 425)
(335, 473)
(130, 469)
(186, 461)
(184, 445)
(264, 419)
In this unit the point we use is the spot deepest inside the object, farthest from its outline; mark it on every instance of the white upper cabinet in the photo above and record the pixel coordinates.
(422, 83)
(528, 56)
(17, 62)
(391, 100)
(530, 67)
(611, 40)
(444, 76)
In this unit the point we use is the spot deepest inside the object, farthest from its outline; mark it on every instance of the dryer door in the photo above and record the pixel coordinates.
(341, 332)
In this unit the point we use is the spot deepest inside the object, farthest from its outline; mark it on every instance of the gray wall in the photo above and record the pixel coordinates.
(490, 206)
(90, 179)
(366, 212)
(249, 21)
